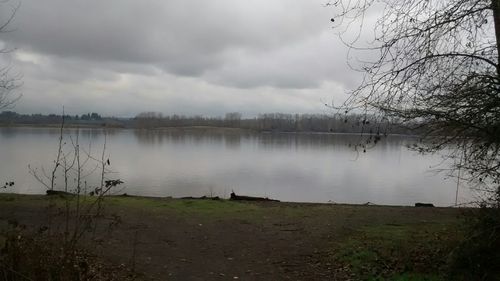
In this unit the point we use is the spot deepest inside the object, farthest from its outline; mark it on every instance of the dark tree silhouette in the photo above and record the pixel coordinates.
(435, 64)
(8, 82)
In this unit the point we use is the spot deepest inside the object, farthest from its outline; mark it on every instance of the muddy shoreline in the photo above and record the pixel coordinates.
(196, 239)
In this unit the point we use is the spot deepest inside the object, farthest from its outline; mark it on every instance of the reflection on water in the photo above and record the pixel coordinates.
(235, 139)
(289, 167)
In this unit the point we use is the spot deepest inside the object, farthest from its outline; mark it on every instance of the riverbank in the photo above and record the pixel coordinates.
(176, 239)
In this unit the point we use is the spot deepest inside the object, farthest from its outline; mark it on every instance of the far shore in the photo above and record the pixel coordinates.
(189, 128)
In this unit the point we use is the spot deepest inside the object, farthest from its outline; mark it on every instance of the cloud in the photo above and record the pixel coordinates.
(305, 64)
(185, 39)
(191, 57)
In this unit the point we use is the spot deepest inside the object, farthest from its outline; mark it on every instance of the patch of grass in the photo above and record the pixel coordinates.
(211, 207)
(187, 206)
(6, 198)
(399, 252)
(9, 197)
(28, 201)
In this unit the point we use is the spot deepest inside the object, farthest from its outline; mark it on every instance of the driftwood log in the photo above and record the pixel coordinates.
(249, 198)
(202, 197)
(58, 192)
(424, 205)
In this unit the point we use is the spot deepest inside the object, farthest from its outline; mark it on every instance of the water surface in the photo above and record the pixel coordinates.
(288, 167)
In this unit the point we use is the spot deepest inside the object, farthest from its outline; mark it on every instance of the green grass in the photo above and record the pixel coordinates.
(185, 206)
(399, 252)
(8, 197)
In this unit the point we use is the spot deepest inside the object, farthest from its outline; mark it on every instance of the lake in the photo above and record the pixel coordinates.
(284, 166)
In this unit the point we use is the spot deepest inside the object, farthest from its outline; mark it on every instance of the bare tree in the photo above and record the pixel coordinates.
(435, 65)
(233, 119)
(8, 82)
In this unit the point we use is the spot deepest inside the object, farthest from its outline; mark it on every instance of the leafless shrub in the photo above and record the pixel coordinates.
(75, 220)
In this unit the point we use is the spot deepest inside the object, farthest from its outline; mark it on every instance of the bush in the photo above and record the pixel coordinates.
(478, 257)
(38, 255)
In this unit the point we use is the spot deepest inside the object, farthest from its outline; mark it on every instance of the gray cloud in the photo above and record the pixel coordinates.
(304, 64)
(186, 38)
(193, 56)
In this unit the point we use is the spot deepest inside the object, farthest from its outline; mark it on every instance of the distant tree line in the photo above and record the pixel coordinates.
(268, 122)
(13, 118)
(276, 122)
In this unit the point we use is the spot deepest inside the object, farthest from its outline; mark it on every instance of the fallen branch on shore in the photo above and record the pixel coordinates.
(60, 193)
(424, 205)
(249, 198)
(202, 197)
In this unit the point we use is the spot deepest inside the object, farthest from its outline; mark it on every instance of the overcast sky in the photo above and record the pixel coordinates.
(123, 57)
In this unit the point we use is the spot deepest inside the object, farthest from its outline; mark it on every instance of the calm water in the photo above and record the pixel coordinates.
(289, 167)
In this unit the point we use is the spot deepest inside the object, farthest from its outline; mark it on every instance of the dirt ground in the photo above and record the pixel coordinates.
(174, 239)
